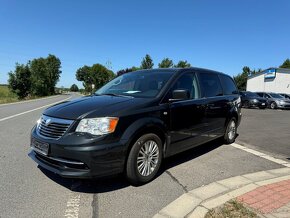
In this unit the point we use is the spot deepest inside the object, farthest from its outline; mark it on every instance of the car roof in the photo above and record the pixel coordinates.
(181, 70)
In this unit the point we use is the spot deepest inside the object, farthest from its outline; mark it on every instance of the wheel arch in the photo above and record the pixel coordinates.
(145, 126)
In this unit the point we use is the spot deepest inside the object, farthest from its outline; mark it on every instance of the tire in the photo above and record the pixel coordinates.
(231, 131)
(273, 105)
(137, 173)
(246, 104)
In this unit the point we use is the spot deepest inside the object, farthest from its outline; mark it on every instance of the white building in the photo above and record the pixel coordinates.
(270, 80)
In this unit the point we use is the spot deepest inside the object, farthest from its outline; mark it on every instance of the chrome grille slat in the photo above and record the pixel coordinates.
(50, 132)
(52, 128)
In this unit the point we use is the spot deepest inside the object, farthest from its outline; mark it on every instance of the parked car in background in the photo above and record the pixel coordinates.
(275, 100)
(134, 121)
(251, 99)
(285, 95)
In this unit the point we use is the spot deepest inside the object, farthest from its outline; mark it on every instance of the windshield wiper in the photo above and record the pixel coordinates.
(117, 95)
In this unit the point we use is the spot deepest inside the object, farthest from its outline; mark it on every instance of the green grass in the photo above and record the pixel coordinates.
(6, 96)
(231, 209)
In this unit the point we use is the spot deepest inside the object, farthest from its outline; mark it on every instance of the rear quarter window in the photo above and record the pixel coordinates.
(228, 85)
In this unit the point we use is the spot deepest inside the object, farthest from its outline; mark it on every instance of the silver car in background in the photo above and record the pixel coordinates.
(275, 100)
(285, 95)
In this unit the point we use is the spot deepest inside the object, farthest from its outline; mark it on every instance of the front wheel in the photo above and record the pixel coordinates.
(144, 159)
(273, 105)
(231, 131)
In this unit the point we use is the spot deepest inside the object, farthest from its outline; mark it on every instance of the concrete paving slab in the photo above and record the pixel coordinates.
(181, 206)
(235, 182)
(259, 176)
(198, 212)
(208, 191)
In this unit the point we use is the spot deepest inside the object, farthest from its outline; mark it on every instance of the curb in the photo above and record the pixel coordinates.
(197, 202)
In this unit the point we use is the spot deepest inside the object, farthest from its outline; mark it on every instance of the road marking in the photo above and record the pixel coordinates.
(25, 112)
(20, 102)
(72, 206)
(262, 155)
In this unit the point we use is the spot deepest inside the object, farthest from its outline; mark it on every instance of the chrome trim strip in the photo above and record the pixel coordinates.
(65, 161)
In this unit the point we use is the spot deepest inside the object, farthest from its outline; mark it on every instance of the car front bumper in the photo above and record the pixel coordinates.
(78, 156)
(283, 106)
(258, 104)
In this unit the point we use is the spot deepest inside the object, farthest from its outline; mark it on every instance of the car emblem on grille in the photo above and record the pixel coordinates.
(47, 122)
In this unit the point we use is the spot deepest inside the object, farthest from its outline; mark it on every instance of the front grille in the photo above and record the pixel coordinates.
(53, 128)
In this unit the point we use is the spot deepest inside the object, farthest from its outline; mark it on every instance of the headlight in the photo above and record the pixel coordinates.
(98, 126)
(255, 100)
(281, 101)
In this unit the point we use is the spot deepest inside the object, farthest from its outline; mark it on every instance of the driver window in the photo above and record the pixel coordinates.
(187, 82)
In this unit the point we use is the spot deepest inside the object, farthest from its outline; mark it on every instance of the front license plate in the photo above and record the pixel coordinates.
(263, 103)
(40, 147)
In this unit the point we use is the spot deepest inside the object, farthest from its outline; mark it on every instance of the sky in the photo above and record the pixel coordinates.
(222, 35)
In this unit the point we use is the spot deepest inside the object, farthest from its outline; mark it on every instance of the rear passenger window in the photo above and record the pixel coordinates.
(210, 84)
(228, 84)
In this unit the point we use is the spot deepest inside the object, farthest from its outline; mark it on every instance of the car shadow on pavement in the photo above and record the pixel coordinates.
(108, 184)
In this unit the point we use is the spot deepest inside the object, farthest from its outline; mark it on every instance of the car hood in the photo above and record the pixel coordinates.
(258, 98)
(91, 106)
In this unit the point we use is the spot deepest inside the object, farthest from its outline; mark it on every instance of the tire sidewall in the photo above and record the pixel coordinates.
(132, 172)
(274, 105)
(226, 136)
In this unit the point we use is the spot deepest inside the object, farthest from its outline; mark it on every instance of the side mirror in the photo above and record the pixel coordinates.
(180, 94)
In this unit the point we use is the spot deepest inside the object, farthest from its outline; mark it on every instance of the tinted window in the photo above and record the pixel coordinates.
(210, 84)
(187, 82)
(260, 94)
(250, 94)
(276, 95)
(228, 84)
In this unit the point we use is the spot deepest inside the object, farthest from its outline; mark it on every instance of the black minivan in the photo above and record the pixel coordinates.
(134, 121)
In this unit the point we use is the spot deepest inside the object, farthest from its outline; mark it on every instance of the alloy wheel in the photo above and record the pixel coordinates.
(232, 130)
(148, 158)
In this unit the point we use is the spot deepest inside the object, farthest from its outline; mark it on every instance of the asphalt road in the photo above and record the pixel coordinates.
(266, 130)
(27, 191)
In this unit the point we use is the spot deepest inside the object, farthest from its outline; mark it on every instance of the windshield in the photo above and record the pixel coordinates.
(143, 84)
(250, 94)
(273, 95)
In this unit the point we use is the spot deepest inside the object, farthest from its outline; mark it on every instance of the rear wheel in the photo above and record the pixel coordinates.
(231, 131)
(144, 159)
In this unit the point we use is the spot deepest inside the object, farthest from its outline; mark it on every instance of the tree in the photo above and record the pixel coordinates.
(165, 63)
(147, 62)
(100, 75)
(39, 77)
(19, 81)
(241, 78)
(45, 73)
(96, 75)
(182, 64)
(53, 66)
(286, 64)
(83, 74)
(74, 88)
(127, 70)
